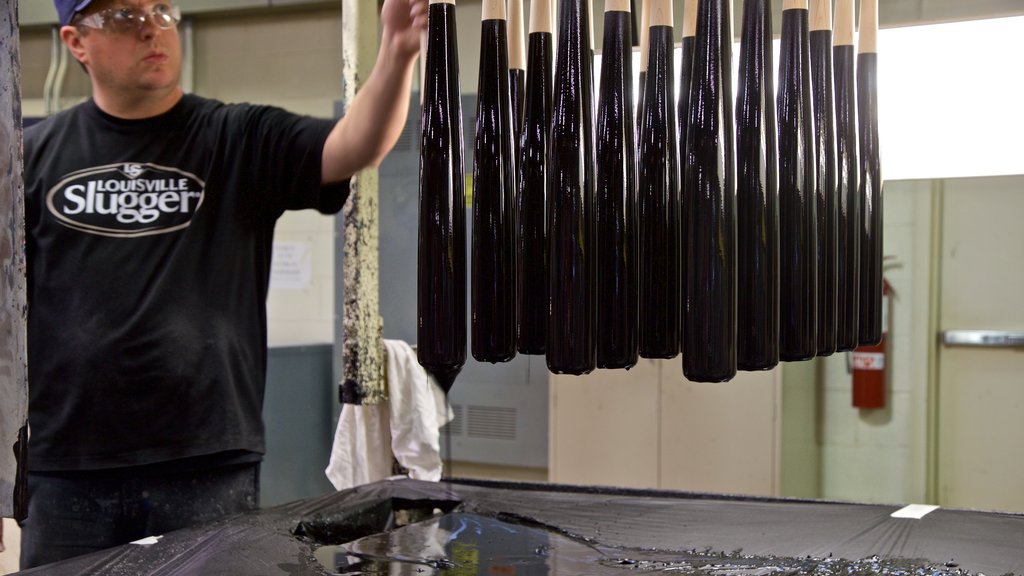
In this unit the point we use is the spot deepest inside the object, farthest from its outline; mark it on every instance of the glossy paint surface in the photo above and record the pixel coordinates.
(709, 326)
(517, 94)
(757, 188)
(617, 270)
(798, 226)
(823, 103)
(687, 46)
(531, 202)
(848, 200)
(640, 100)
(493, 281)
(441, 259)
(571, 166)
(658, 203)
(871, 198)
(642, 43)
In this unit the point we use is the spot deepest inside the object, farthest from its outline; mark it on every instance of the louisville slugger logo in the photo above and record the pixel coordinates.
(131, 199)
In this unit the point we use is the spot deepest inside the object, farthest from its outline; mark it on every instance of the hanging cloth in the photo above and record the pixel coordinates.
(405, 428)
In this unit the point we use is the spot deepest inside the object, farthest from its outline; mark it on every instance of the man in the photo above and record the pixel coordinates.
(150, 218)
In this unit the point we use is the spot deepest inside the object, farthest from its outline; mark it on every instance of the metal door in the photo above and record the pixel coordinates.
(980, 430)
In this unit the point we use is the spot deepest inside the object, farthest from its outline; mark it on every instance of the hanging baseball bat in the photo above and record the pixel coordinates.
(554, 28)
(532, 205)
(847, 180)
(871, 177)
(658, 198)
(823, 104)
(798, 226)
(633, 29)
(617, 270)
(494, 261)
(571, 166)
(589, 4)
(757, 188)
(516, 66)
(441, 257)
(645, 24)
(709, 327)
(687, 46)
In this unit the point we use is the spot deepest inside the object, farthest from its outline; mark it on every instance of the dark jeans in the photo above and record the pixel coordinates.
(73, 515)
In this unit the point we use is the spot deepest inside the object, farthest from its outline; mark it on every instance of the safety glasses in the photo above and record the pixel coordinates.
(130, 19)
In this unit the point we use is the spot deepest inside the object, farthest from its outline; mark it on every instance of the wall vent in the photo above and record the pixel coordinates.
(455, 427)
(492, 422)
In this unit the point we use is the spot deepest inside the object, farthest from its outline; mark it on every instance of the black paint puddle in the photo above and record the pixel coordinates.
(461, 544)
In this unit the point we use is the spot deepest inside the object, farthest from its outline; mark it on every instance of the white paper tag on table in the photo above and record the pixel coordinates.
(915, 511)
(147, 541)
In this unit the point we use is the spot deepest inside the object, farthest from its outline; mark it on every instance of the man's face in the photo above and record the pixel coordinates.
(129, 56)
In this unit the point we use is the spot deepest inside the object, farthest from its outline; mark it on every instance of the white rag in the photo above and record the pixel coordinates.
(406, 427)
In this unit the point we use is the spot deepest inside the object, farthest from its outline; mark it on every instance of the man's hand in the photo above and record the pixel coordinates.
(377, 114)
(403, 22)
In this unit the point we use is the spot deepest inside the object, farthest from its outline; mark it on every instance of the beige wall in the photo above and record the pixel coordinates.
(649, 427)
(287, 59)
(12, 548)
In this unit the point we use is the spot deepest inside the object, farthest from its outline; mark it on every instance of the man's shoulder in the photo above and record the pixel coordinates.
(194, 105)
(196, 102)
(191, 101)
(55, 127)
(215, 112)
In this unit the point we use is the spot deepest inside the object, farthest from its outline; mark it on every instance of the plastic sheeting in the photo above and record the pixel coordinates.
(609, 530)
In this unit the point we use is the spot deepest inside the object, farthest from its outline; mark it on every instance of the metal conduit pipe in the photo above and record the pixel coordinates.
(188, 58)
(51, 72)
(62, 72)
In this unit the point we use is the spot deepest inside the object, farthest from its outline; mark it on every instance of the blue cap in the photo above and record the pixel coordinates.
(66, 9)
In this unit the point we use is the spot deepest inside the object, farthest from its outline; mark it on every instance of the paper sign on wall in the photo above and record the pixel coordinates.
(292, 266)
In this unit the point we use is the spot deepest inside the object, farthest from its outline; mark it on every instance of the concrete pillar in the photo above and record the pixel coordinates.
(363, 366)
(13, 369)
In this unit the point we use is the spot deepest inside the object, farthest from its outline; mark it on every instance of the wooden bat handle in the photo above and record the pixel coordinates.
(540, 16)
(493, 10)
(661, 13)
(690, 19)
(516, 38)
(844, 23)
(868, 27)
(616, 5)
(645, 23)
(821, 15)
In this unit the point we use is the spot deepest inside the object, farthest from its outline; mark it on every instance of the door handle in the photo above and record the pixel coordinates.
(983, 338)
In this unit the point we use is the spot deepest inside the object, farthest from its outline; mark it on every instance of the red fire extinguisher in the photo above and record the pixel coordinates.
(870, 363)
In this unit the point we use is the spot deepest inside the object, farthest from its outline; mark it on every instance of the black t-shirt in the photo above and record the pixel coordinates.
(149, 246)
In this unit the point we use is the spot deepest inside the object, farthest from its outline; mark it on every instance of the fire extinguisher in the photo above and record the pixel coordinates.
(870, 363)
